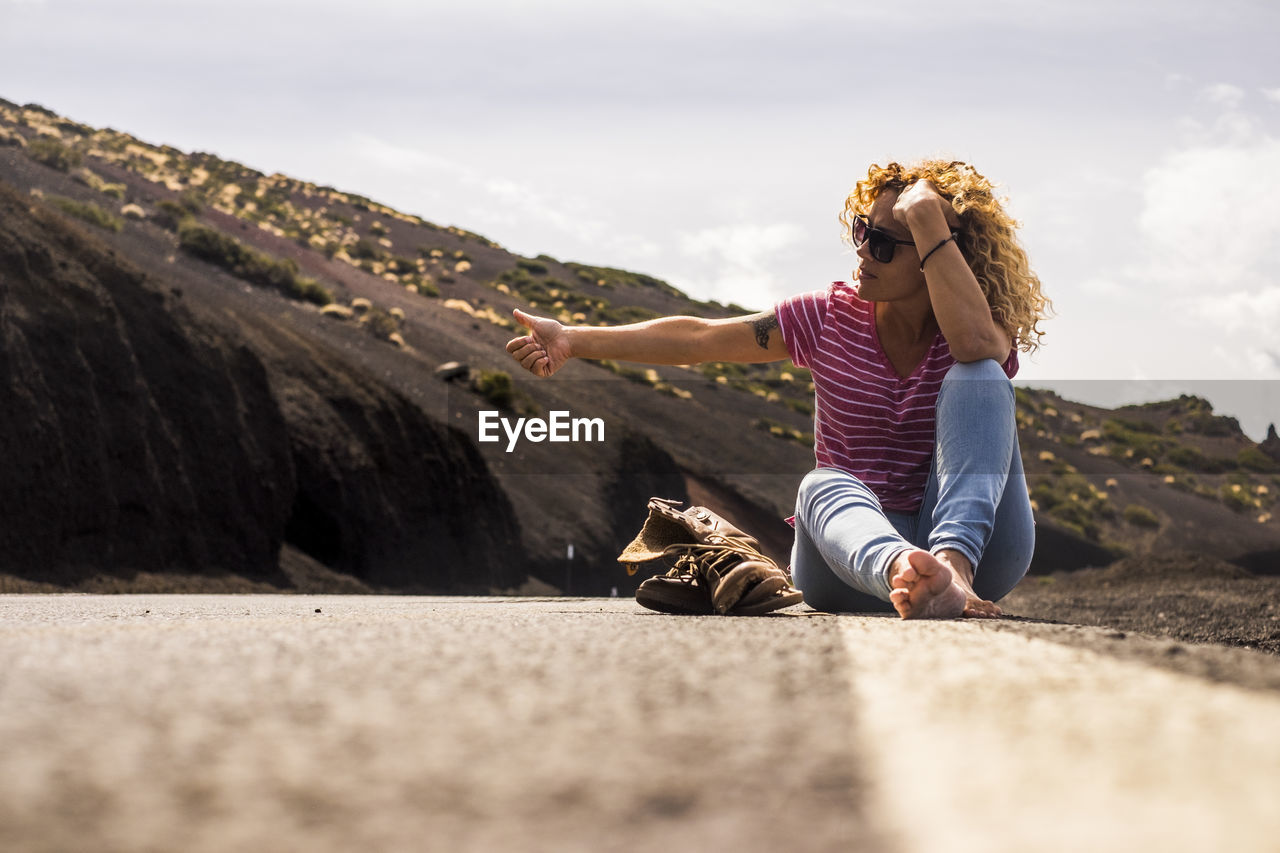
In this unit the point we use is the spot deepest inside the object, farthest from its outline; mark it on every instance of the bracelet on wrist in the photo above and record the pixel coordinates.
(929, 253)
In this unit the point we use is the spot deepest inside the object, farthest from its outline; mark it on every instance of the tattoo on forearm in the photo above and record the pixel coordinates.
(763, 324)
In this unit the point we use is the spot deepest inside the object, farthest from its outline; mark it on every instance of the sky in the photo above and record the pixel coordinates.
(712, 143)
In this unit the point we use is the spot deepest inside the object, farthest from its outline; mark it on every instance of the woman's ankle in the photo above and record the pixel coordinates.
(958, 563)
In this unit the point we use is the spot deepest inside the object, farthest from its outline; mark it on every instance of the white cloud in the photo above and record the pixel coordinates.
(1240, 313)
(1210, 249)
(1272, 95)
(516, 200)
(1210, 219)
(496, 204)
(737, 263)
(1179, 271)
(382, 153)
(743, 244)
(1223, 94)
(1098, 286)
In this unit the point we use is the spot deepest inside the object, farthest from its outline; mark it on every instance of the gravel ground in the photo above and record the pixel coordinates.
(1186, 597)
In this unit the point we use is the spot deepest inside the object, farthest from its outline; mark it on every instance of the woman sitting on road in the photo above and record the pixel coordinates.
(918, 500)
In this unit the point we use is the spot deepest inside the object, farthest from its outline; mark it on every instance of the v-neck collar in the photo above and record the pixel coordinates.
(884, 358)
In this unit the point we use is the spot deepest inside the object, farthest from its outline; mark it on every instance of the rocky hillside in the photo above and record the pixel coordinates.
(224, 371)
(139, 439)
(1163, 477)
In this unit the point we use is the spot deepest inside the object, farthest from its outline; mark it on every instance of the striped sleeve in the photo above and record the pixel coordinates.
(800, 318)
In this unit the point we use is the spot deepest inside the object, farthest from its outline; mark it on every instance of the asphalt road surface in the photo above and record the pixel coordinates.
(220, 723)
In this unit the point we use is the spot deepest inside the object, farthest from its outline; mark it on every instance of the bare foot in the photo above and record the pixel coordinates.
(923, 587)
(962, 576)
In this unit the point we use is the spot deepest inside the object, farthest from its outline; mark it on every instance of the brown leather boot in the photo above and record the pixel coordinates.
(715, 566)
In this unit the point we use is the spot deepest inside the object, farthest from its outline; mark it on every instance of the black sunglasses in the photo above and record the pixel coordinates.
(882, 242)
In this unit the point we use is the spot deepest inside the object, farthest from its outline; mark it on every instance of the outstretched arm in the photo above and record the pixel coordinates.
(666, 340)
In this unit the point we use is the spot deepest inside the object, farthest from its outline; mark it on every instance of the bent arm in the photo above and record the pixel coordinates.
(683, 340)
(959, 304)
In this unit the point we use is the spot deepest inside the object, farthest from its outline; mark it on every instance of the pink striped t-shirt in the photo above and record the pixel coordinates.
(868, 421)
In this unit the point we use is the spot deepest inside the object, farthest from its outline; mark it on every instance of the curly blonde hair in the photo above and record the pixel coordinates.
(986, 239)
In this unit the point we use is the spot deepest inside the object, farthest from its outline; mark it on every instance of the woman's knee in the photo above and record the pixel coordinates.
(982, 383)
(816, 483)
(989, 372)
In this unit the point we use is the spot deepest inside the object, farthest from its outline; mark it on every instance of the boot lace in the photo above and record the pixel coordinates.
(699, 559)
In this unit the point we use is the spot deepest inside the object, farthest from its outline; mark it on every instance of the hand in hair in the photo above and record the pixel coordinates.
(922, 198)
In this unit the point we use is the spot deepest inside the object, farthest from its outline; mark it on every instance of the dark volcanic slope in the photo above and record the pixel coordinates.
(110, 460)
(136, 438)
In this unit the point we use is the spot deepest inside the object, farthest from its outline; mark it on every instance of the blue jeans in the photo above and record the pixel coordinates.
(975, 503)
